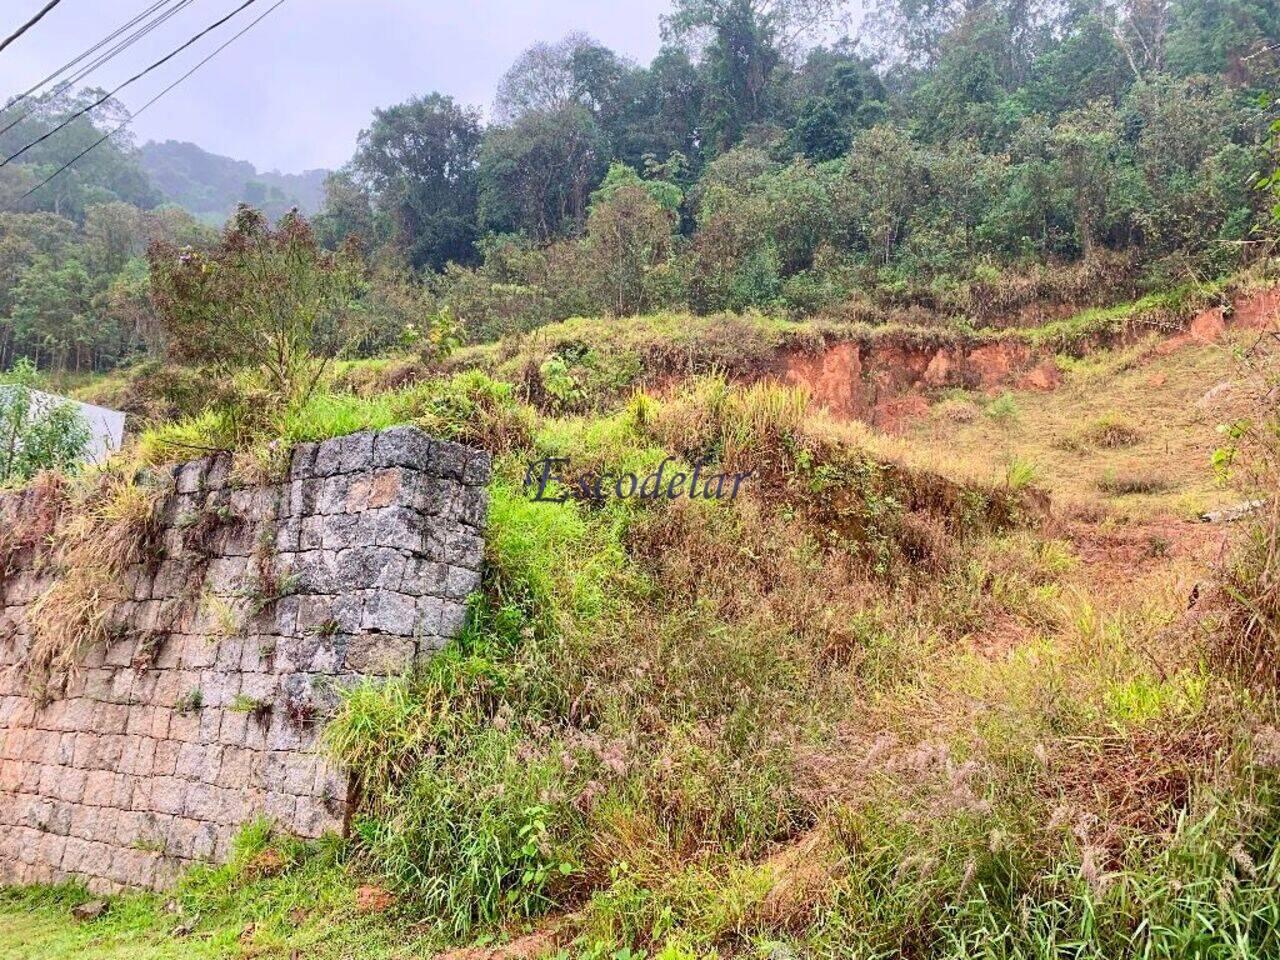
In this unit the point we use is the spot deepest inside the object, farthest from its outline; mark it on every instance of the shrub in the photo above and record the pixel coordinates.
(1128, 482)
(474, 837)
(36, 434)
(1109, 431)
(1004, 409)
(265, 300)
(1249, 641)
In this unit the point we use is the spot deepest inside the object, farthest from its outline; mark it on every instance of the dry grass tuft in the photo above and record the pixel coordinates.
(28, 518)
(803, 875)
(111, 525)
(1123, 483)
(742, 427)
(764, 571)
(1136, 782)
(1248, 642)
(1110, 431)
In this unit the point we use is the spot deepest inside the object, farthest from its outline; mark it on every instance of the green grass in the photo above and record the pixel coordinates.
(222, 912)
(861, 712)
(467, 817)
(1164, 310)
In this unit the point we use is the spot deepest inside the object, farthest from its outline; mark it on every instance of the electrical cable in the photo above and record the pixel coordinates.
(29, 24)
(137, 76)
(107, 136)
(124, 44)
(97, 46)
(102, 59)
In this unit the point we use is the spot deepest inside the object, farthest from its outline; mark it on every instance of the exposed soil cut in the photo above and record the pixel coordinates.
(887, 382)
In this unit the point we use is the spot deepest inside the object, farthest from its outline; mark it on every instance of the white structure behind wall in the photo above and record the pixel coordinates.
(106, 427)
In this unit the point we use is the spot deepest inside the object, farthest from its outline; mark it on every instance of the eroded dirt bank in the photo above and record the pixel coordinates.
(886, 381)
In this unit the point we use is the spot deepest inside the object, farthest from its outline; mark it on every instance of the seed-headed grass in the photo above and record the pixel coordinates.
(111, 525)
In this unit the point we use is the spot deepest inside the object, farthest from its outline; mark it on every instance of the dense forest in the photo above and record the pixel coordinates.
(754, 163)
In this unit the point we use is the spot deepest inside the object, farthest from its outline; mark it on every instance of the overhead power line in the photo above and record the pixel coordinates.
(107, 136)
(29, 24)
(97, 46)
(137, 76)
(126, 43)
(98, 61)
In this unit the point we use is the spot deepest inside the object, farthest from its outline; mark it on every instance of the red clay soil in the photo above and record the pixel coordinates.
(1114, 555)
(833, 378)
(1257, 312)
(540, 943)
(886, 383)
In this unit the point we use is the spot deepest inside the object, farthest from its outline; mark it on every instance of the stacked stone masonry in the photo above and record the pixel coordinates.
(203, 711)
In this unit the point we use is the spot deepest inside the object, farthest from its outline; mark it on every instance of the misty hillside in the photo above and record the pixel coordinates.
(210, 185)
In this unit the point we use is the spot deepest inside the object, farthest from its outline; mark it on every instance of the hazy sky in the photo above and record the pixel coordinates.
(295, 91)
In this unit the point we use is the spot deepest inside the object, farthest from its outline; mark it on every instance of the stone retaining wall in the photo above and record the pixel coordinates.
(227, 648)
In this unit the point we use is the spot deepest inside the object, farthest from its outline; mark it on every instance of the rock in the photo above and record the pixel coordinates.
(90, 910)
(186, 927)
(449, 460)
(380, 655)
(402, 447)
(1215, 394)
(391, 613)
(228, 651)
(1232, 514)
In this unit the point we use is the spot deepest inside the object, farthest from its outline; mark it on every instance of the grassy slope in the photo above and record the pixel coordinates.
(37, 926)
(1019, 745)
(1163, 403)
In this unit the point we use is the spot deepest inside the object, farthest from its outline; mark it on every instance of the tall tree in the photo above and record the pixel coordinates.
(419, 159)
(850, 100)
(1230, 37)
(536, 174)
(630, 234)
(737, 66)
(348, 212)
(1086, 63)
(541, 80)
(795, 25)
(1084, 144)
(667, 119)
(51, 314)
(109, 172)
(913, 32)
(114, 233)
(1141, 28)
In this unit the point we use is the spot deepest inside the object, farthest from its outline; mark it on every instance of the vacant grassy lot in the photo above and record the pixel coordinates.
(969, 691)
